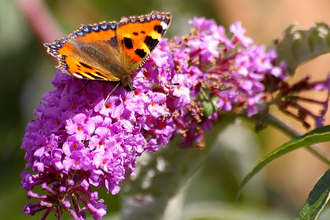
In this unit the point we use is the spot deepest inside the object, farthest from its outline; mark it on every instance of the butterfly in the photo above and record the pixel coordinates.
(110, 51)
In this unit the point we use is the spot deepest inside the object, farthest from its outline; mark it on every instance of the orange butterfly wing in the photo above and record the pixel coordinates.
(83, 55)
(139, 35)
(110, 51)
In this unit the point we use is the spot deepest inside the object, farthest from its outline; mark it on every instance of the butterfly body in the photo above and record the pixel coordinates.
(110, 51)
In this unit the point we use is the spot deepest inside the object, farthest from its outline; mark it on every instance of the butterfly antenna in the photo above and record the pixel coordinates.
(83, 86)
(105, 101)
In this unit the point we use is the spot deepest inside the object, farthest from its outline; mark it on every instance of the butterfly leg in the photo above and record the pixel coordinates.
(105, 101)
(83, 86)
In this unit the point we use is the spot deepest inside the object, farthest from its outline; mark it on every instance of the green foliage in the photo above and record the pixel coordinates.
(298, 46)
(317, 199)
(318, 135)
(209, 104)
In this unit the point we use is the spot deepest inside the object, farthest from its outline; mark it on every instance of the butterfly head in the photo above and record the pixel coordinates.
(127, 83)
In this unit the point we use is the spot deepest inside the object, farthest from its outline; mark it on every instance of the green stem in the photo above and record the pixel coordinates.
(317, 150)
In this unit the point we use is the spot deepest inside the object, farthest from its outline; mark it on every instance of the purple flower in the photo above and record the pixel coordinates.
(203, 23)
(239, 32)
(74, 144)
(288, 97)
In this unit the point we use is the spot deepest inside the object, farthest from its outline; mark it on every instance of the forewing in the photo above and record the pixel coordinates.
(87, 52)
(139, 35)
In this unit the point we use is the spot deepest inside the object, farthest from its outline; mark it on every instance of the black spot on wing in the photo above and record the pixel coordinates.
(128, 43)
(93, 75)
(99, 75)
(142, 32)
(135, 33)
(78, 67)
(113, 42)
(87, 73)
(140, 53)
(85, 65)
(150, 42)
(159, 29)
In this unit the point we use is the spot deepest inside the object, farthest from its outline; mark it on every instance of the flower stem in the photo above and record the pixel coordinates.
(317, 150)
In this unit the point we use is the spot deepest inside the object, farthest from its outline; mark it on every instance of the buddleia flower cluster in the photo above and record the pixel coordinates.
(74, 146)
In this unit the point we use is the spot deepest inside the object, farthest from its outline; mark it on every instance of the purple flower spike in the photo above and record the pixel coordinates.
(239, 32)
(74, 145)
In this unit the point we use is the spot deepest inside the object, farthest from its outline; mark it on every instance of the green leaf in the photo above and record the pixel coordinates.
(318, 135)
(208, 108)
(317, 199)
(298, 46)
(209, 105)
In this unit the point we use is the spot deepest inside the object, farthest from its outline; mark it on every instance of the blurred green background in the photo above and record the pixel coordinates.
(26, 71)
